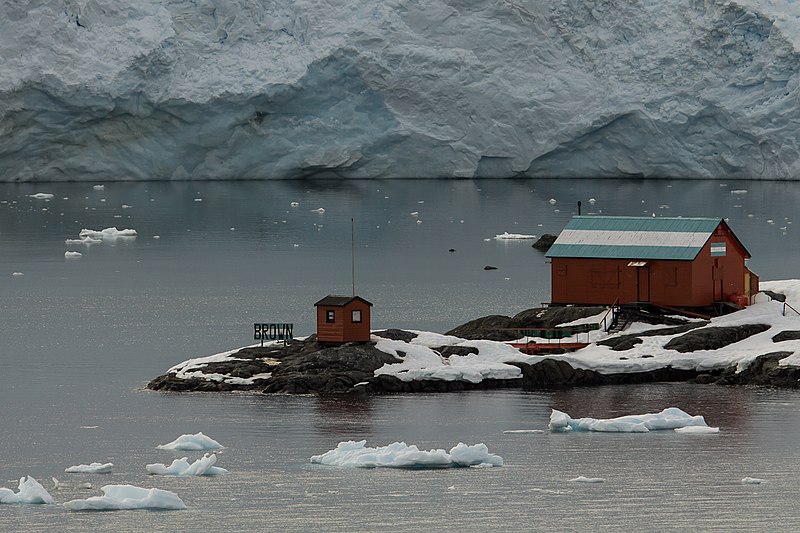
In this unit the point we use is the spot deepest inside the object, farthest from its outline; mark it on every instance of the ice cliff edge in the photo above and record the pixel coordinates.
(158, 89)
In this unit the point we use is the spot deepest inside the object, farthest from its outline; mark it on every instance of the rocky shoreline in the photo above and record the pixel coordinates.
(308, 367)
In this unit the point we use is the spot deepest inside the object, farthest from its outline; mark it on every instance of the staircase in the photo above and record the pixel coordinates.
(620, 322)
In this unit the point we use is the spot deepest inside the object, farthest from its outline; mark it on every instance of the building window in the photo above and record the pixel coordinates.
(330, 317)
(356, 317)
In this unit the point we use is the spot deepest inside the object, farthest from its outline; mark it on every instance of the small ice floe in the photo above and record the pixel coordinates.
(56, 484)
(87, 240)
(181, 467)
(414, 213)
(552, 201)
(451, 487)
(196, 442)
(30, 491)
(419, 222)
(506, 236)
(400, 455)
(42, 196)
(125, 206)
(73, 255)
(120, 497)
(320, 210)
(697, 430)
(515, 431)
(108, 234)
(93, 468)
(198, 199)
(156, 236)
(752, 481)
(592, 201)
(739, 191)
(669, 418)
(584, 479)
(17, 274)
(98, 187)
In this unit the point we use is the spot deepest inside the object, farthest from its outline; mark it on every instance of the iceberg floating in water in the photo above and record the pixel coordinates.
(108, 233)
(400, 455)
(506, 236)
(93, 468)
(30, 491)
(196, 442)
(752, 481)
(119, 497)
(42, 196)
(669, 418)
(584, 479)
(181, 467)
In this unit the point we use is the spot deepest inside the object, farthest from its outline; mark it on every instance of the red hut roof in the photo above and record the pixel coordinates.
(339, 301)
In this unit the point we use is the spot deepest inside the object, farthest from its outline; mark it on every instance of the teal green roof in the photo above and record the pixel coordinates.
(634, 237)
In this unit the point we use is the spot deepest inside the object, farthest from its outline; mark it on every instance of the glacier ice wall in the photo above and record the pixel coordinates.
(212, 89)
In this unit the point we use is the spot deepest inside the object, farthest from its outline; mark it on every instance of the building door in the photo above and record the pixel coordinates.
(643, 284)
(716, 282)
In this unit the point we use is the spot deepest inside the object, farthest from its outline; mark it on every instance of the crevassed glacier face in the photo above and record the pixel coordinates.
(169, 89)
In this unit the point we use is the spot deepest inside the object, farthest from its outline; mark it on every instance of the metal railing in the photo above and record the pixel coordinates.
(609, 323)
(785, 305)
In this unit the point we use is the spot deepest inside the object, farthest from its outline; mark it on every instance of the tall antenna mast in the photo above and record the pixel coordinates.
(353, 253)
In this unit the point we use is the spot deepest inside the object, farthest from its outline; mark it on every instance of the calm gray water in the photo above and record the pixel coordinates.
(80, 338)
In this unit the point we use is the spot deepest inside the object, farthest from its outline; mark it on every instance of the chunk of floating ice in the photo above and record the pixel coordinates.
(319, 210)
(751, 481)
(414, 213)
(592, 201)
(523, 431)
(118, 497)
(669, 418)
(552, 201)
(30, 491)
(181, 467)
(108, 234)
(93, 468)
(125, 206)
(42, 195)
(400, 455)
(513, 236)
(195, 442)
(295, 204)
(98, 187)
(72, 255)
(17, 273)
(198, 199)
(584, 479)
(697, 429)
(739, 191)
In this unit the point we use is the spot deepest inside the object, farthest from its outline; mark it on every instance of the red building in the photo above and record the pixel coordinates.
(343, 319)
(679, 262)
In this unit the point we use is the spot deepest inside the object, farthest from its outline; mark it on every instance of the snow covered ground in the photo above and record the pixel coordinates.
(418, 360)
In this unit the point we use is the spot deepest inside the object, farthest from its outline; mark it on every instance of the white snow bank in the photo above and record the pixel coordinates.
(669, 418)
(422, 363)
(118, 497)
(506, 236)
(181, 467)
(93, 468)
(400, 455)
(195, 442)
(30, 491)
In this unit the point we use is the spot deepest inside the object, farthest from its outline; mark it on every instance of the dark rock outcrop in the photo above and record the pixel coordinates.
(764, 370)
(392, 384)
(396, 335)
(714, 338)
(544, 242)
(789, 335)
(558, 374)
(493, 327)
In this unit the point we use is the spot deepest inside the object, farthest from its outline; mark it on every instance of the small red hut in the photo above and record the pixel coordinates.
(679, 262)
(343, 319)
